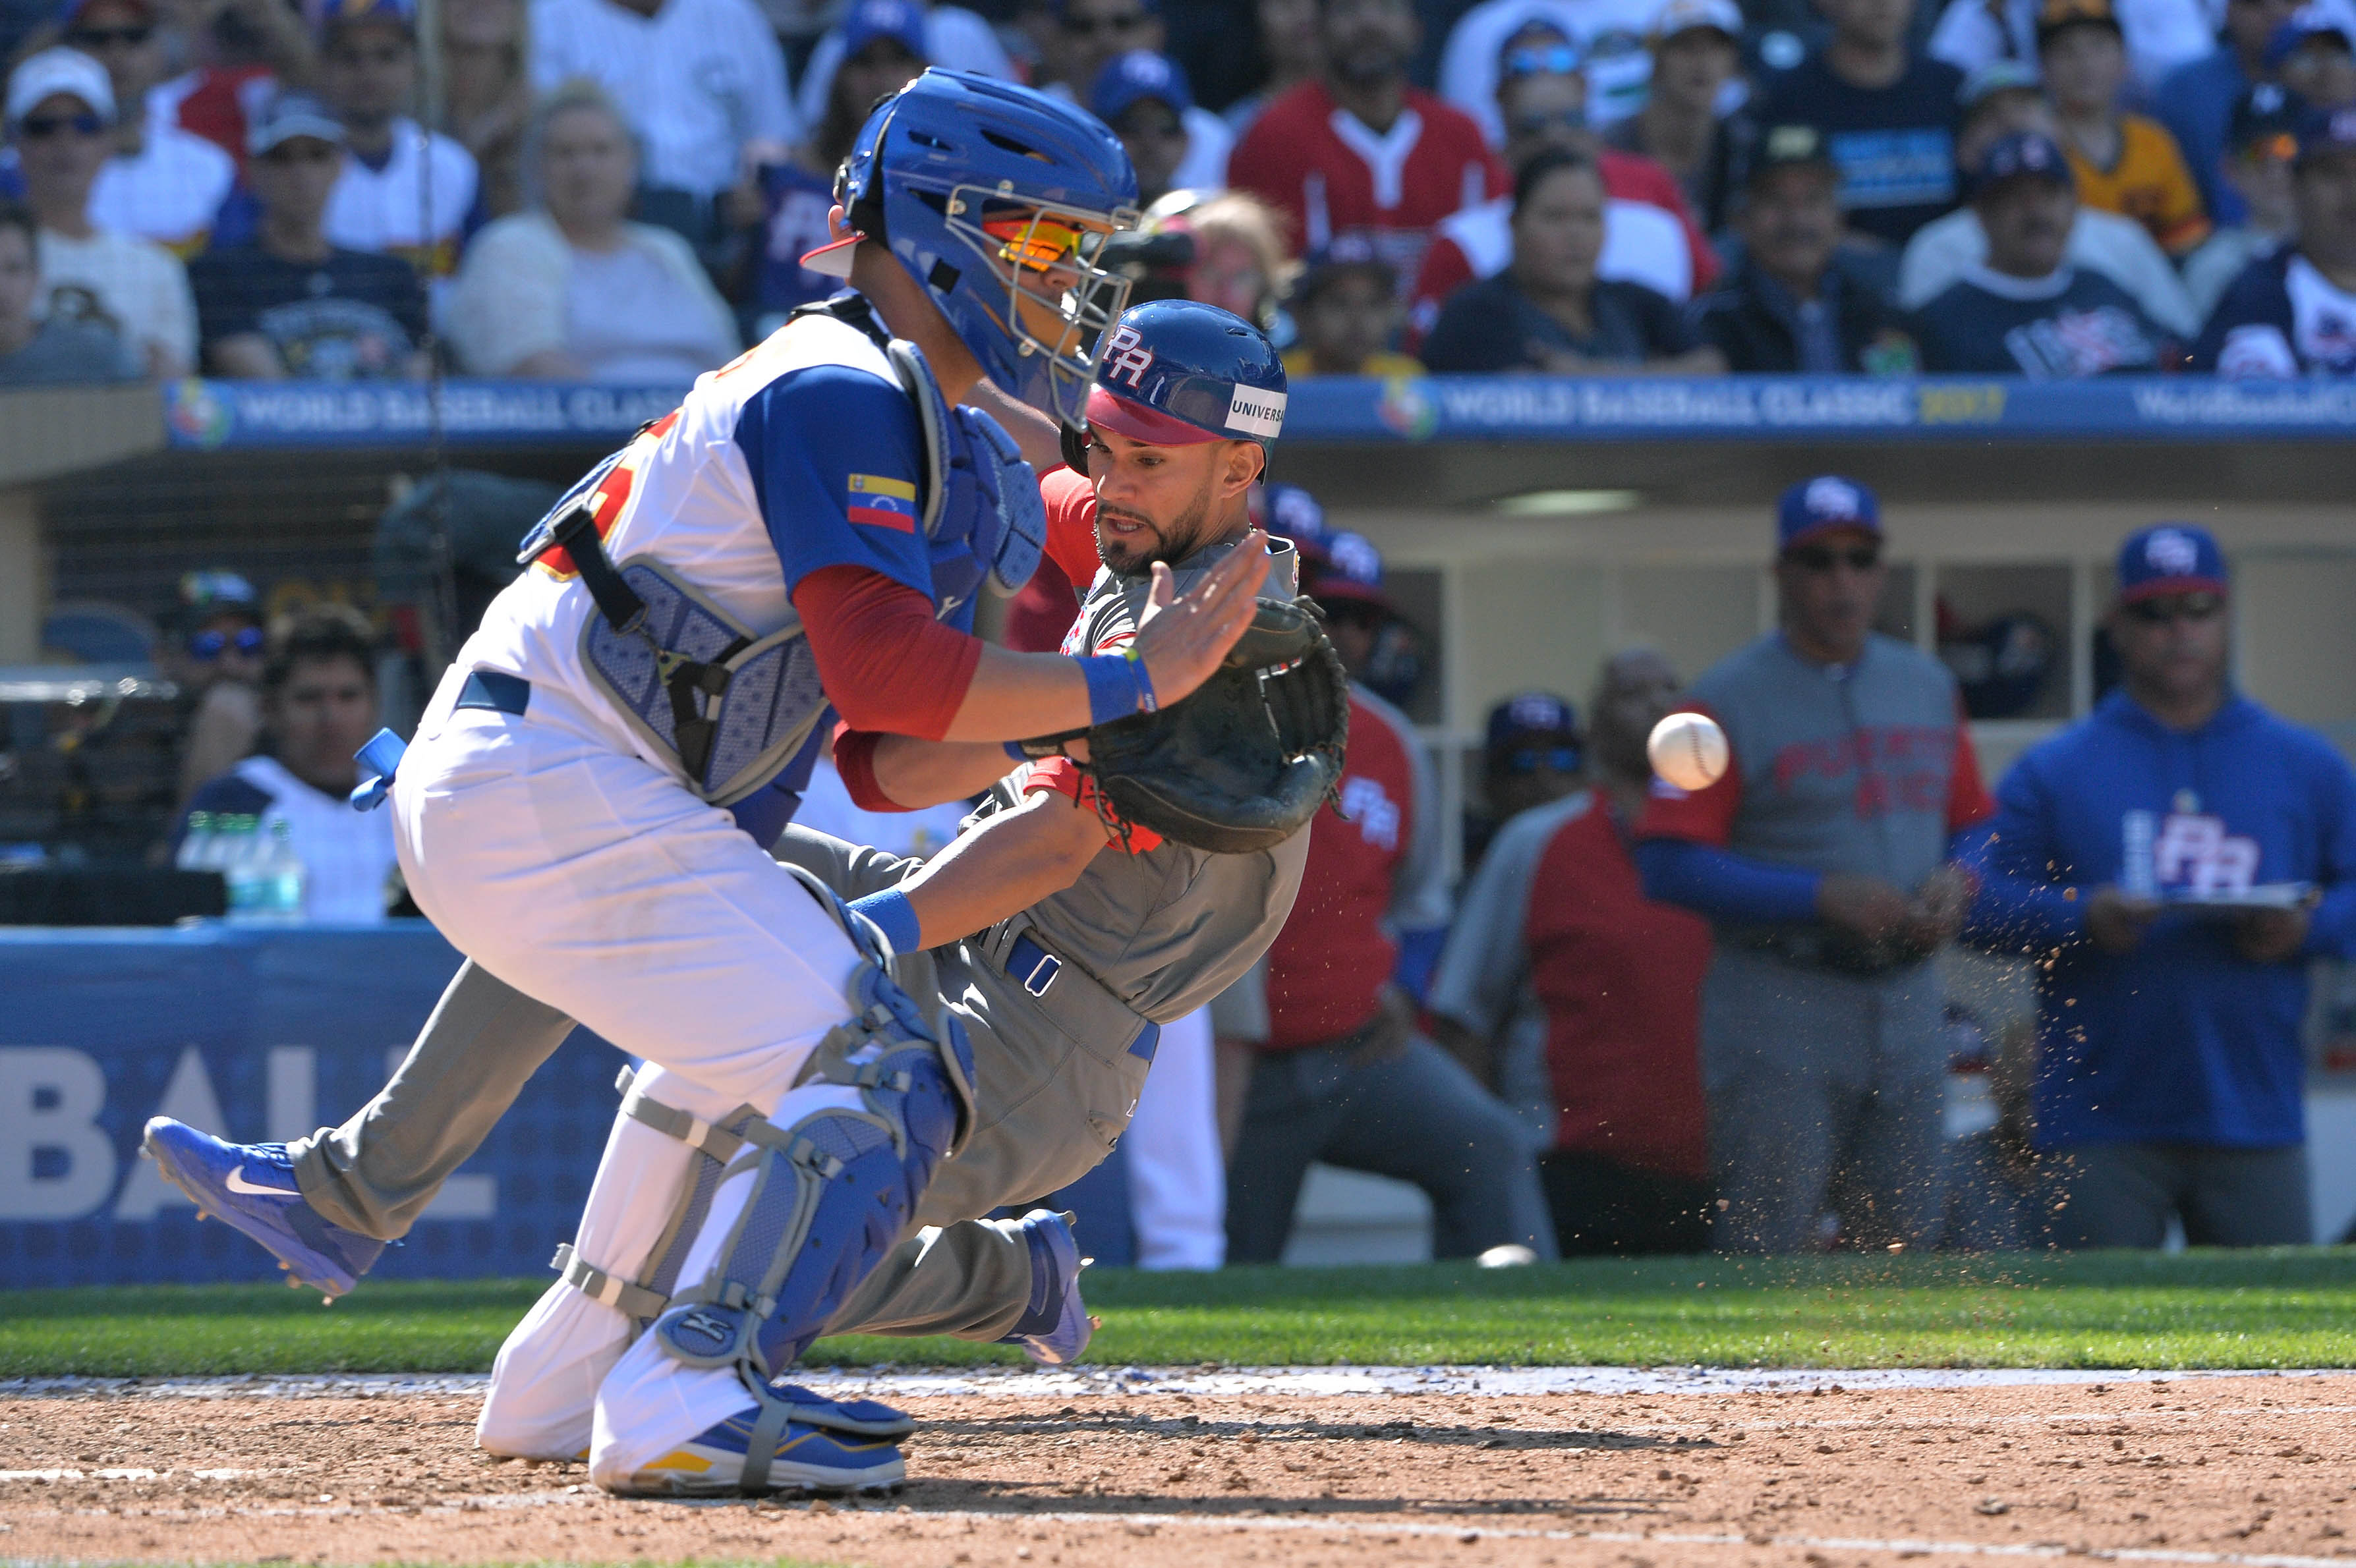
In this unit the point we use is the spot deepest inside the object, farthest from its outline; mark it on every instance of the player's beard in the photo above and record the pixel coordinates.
(1172, 543)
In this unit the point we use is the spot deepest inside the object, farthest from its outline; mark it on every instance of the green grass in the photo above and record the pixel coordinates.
(2294, 1307)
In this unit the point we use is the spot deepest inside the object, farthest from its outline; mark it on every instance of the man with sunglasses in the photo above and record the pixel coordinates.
(61, 110)
(587, 808)
(1825, 859)
(164, 182)
(2172, 862)
(290, 303)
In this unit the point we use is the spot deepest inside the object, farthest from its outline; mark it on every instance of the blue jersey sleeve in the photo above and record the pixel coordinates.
(1724, 885)
(835, 454)
(2019, 905)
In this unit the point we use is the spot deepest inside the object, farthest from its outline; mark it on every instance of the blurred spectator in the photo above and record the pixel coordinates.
(1557, 914)
(2125, 163)
(575, 291)
(232, 55)
(1533, 754)
(1289, 49)
(1548, 310)
(953, 37)
(1788, 308)
(1999, 101)
(1144, 98)
(882, 49)
(1092, 34)
(1318, 1055)
(1359, 149)
(1822, 859)
(2196, 100)
(699, 79)
(289, 302)
(318, 697)
(1649, 238)
(2025, 311)
(2170, 1058)
(1886, 112)
(2260, 146)
(487, 94)
(60, 109)
(1695, 55)
(1609, 33)
(2161, 35)
(1238, 255)
(1345, 307)
(163, 183)
(57, 351)
(2294, 313)
(217, 665)
(2311, 55)
(404, 189)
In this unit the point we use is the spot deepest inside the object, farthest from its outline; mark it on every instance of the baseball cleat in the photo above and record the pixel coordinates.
(807, 1458)
(251, 1188)
(1056, 1328)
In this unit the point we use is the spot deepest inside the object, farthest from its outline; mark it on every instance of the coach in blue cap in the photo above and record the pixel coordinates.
(2177, 857)
(1824, 860)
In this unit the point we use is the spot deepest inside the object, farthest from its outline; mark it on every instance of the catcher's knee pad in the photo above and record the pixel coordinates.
(832, 1189)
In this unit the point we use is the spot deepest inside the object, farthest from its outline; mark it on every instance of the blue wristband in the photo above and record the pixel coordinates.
(1112, 691)
(1014, 750)
(895, 916)
(1146, 701)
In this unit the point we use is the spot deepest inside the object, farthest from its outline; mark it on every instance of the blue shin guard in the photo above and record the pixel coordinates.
(834, 1190)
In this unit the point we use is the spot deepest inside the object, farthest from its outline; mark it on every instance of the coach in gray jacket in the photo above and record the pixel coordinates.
(1823, 858)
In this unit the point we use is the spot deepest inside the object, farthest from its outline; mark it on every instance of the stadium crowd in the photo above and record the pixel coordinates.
(621, 190)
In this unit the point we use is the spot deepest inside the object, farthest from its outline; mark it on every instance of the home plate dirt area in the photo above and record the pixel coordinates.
(1805, 1470)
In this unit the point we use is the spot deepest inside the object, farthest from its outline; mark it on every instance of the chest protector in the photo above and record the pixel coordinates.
(731, 709)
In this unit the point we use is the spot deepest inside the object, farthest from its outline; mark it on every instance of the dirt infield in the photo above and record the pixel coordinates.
(2254, 1470)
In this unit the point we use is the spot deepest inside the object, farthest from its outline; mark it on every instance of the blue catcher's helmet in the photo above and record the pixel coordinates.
(1176, 372)
(997, 199)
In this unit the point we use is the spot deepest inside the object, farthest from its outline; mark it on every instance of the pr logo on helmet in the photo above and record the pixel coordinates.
(1126, 355)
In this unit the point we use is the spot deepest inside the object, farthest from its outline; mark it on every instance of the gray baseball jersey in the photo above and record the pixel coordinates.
(1863, 768)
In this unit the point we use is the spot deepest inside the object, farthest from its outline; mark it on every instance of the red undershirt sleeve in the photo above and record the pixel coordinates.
(1071, 524)
(855, 760)
(887, 664)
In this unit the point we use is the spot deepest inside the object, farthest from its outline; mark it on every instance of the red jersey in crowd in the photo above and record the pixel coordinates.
(1377, 873)
(1330, 173)
(1556, 916)
(1667, 253)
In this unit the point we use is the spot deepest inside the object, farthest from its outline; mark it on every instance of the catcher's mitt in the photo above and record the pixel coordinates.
(1243, 762)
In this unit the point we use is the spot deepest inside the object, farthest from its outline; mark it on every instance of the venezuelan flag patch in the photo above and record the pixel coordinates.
(882, 503)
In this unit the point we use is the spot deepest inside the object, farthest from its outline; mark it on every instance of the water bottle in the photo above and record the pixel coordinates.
(2138, 860)
(196, 844)
(284, 874)
(240, 861)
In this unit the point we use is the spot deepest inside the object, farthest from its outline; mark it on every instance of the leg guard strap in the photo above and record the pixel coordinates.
(630, 1300)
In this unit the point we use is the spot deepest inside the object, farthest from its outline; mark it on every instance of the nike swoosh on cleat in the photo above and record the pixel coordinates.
(238, 1183)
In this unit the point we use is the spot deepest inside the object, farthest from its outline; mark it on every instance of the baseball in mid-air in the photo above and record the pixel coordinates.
(1688, 750)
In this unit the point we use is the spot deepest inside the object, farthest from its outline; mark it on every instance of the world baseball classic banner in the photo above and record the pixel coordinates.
(252, 1032)
(264, 415)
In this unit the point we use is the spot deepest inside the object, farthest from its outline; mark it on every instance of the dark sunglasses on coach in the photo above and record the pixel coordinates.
(1823, 558)
(41, 127)
(87, 38)
(206, 647)
(2175, 607)
(1562, 759)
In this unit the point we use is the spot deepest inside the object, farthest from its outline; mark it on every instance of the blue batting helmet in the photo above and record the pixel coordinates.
(997, 199)
(1176, 372)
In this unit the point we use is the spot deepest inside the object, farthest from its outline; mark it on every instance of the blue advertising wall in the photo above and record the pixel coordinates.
(203, 416)
(257, 1033)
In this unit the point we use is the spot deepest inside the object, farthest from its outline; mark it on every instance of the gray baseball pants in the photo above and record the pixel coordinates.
(2121, 1195)
(1825, 1091)
(1048, 1114)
